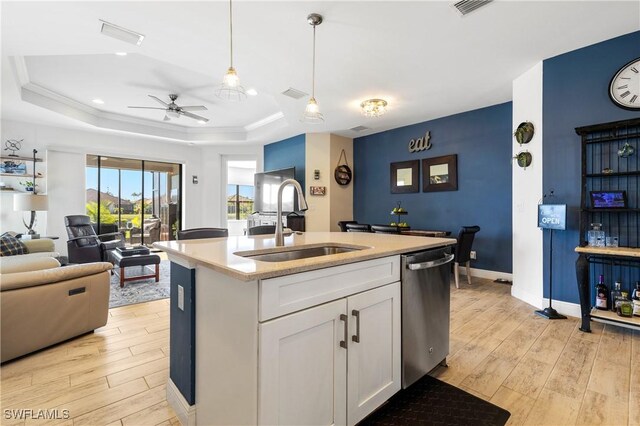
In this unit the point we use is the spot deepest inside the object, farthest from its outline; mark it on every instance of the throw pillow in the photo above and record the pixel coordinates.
(11, 246)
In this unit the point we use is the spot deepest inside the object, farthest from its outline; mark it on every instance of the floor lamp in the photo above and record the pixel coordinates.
(551, 217)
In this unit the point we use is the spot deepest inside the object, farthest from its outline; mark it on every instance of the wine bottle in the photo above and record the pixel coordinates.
(601, 294)
(616, 295)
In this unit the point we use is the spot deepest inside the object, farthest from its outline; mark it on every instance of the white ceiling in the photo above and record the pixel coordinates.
(422, 57)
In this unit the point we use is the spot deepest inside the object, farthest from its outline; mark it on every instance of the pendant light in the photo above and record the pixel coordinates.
(312, 112)
(230, 89)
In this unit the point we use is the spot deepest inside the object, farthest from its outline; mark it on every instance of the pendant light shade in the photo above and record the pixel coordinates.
(230, 89)
(312, 112)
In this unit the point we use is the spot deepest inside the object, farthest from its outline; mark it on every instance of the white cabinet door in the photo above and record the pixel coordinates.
(303, 368)
(374, 357)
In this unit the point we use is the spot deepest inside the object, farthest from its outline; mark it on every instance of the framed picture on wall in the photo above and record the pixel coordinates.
(405, 177)
(440, 173)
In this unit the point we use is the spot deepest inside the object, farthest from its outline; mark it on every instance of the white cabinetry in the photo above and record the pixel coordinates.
(331, 364)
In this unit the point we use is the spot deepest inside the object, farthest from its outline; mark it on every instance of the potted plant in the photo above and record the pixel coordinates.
(524, 132)
(29, 185)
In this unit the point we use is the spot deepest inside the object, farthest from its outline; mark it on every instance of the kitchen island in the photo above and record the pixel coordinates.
(310, 340)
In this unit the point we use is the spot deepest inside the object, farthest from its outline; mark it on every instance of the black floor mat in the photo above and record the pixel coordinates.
(430, 401)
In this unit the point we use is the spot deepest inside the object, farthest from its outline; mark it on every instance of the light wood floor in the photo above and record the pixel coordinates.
(543, 372)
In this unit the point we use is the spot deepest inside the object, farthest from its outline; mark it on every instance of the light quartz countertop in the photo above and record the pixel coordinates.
(220, 254)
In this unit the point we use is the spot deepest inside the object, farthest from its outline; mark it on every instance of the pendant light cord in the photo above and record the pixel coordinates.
(313, 68)
(231, 32)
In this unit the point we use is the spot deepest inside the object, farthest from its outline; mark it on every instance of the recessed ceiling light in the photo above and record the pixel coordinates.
(252, 92)
(98, 101)
(120, 33)
(121, 53)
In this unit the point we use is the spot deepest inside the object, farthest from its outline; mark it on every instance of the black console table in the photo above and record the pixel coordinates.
(613, 256)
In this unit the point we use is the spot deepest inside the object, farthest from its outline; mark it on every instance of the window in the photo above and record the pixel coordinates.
(239, 202)
(139, 198)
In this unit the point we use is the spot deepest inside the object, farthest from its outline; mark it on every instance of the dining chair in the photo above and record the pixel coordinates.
(463, 251)
(261, 230)
(385, 229)
(343, 224)
(197, 233)
(358, 227)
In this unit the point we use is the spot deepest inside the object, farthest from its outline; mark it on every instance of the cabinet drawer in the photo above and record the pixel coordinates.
(283, 295)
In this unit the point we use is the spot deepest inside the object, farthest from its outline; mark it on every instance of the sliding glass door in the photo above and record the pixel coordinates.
(139, 198)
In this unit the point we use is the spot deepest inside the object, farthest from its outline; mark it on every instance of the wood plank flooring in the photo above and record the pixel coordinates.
(543, 372)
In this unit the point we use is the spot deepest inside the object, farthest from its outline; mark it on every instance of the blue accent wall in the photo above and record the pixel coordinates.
(575, 93)
(287, 153)
(182, 332)
(482, 140)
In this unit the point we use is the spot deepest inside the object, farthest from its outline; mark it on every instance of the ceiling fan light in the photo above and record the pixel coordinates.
(312, 113)
(172, 114)
(373, 107)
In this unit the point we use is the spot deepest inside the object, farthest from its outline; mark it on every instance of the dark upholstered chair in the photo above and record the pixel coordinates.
(84, 245)
(197, 233)
(385, 229)
(343, 224)
(463, 251)
(358, 227)
(262, 230)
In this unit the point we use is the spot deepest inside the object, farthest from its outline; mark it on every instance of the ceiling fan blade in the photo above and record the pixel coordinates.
(141, 107)
(194, 108)
(159, 100)
(194, 116)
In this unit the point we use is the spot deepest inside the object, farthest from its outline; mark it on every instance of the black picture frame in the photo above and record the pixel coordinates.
(414, 165)
(439, 181)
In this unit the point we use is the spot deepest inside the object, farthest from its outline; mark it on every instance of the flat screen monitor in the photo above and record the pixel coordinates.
(608, 199)
(266, 191)
(552, 216)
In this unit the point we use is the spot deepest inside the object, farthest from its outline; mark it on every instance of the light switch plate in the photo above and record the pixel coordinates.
(181, 298)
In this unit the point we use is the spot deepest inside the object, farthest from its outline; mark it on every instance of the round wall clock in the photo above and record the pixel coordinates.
(624, 89)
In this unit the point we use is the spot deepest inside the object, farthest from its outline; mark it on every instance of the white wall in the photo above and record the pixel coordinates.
(528, 191)
(65, 172)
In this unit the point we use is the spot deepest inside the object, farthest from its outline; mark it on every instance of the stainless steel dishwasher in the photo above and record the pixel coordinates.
(425, 311)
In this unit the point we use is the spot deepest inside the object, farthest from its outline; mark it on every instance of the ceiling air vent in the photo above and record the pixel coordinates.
(294, 93)
(120, 33)
(467, 6)
(360, 128)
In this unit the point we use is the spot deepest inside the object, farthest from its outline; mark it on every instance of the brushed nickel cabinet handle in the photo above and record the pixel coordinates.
(343, 343)
(356, 337)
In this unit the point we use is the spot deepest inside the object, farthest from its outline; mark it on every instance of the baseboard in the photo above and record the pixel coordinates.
(527, 297)
(565, 308)
(186, 413)
(484, 273)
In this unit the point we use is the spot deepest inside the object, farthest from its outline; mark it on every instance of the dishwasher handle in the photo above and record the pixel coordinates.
(432, 264)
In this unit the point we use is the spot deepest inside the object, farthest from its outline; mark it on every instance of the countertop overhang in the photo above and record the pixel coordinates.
(218, 253)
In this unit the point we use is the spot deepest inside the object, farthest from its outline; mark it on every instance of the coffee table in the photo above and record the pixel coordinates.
(143, 260)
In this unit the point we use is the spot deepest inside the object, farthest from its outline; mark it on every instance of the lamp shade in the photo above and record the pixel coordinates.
(30, 202)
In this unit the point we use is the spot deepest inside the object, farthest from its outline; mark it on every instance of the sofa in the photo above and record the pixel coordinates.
(42, 303)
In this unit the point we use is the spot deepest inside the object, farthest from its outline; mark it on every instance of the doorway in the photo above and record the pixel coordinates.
(140, 198)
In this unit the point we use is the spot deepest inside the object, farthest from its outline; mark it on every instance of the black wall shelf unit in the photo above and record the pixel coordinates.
(604, 169)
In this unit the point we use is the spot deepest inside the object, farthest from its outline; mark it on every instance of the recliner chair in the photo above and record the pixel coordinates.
(84, 245)
(463, 251)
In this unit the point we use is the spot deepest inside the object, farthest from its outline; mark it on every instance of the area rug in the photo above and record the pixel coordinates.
(430, 401)
(140, 291)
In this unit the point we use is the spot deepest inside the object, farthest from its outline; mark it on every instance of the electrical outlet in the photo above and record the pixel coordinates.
(181, 298)
(473, 254)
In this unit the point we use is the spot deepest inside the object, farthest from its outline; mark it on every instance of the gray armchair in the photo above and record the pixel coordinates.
(150, 231)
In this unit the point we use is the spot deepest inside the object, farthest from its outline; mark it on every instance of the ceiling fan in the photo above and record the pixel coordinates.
(172, 110)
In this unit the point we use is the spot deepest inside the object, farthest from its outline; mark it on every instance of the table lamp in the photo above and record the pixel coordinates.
(32, 203)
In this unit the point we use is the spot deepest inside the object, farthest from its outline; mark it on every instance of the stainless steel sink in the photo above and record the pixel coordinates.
(303, 253)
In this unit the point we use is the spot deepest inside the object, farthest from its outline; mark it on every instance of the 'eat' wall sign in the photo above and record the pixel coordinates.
(420, 144)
